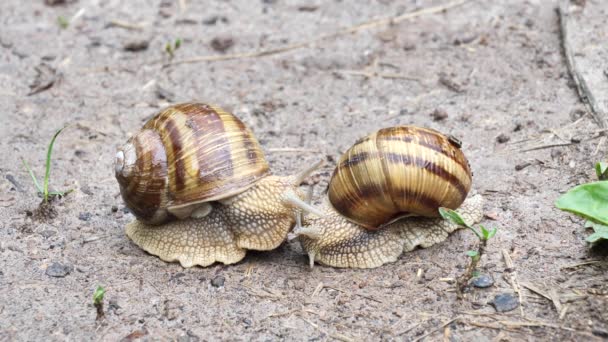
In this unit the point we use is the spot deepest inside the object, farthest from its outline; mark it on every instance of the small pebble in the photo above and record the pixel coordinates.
(214, 20)
(483, 281)
(114, 209)
(218, 281)
(522, 166)
(502, 138)
(439, 115)
(505, 302)
(47, 233)
(222, 44)
(136, 45)
(84, 216)
(58, 270)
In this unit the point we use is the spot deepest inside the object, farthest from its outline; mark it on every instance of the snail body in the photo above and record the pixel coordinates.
(384, 195)
(196, 179)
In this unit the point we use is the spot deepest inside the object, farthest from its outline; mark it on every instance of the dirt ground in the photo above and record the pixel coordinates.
(492, 74)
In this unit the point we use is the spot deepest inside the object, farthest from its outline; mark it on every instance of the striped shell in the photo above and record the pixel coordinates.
(399, 171)
(186, 155)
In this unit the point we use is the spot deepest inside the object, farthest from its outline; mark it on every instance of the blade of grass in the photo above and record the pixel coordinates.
(29, 170)
(47, 174)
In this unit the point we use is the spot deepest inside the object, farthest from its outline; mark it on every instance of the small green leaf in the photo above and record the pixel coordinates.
(472, 254)
(587, 200)
(475, 274)
(484, 232)
(492, 233)
(178, 43)
(98, 295)
(600, 232)
(452, 216)
(63, 22)
(601, 169)
(29, 170)
(47, 174)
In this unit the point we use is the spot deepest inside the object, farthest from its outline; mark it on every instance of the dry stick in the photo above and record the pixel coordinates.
(126, 25)
(581, 264)
(437, 329)
(536, 290)
(513, 279)
(343, 32)
(463, 280)
(582, 87)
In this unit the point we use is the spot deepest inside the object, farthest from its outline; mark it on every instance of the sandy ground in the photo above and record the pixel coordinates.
(496, 70)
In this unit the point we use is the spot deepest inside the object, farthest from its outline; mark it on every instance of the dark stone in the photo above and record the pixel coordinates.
(114, 209)
(483, 281)
(505, 302)
(502, 138)
(215, 19)
(84, 216)
(218, 281)
(600, 332)
(58, 270)
(222, 44)
(136, 45)
(13, 181)
(439, 115)
(164, 94)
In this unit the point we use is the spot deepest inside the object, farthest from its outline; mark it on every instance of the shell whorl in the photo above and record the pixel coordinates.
(399, 171)
(185, 155)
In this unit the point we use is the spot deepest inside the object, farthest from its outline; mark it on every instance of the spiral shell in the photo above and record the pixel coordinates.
(399, 171)
(186, 155)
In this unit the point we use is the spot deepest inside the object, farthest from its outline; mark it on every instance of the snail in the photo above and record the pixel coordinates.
(383, 199)
(197, 181)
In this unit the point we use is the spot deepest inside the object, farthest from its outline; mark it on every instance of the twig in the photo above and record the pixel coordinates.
(513, 279)
(342, 32)
(581, 264)
(437, 329)
(356, 294)
(372, 74)
(463, 280)
(125, 25)
(536, 290)
(582, 87)
(599, 145)
(541, 147)
(555, 300)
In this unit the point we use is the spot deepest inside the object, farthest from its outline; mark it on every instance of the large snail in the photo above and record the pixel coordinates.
(384, 195)
(197, 181)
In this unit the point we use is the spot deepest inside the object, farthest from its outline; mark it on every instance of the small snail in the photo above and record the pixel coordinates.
(197, 181)
(378, 183)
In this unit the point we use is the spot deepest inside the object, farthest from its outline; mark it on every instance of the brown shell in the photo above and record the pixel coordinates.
(185, 155)
(399, 171)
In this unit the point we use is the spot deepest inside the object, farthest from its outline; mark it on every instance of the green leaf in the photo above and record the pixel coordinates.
(47, 174)
(98, 295)
(452, 216)
(63, 22)
(601, 169)
(587, 200)
(178, 43)
(492, 233)
(600, 232)
(472, 254)
(29, 170)
(484, 232)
